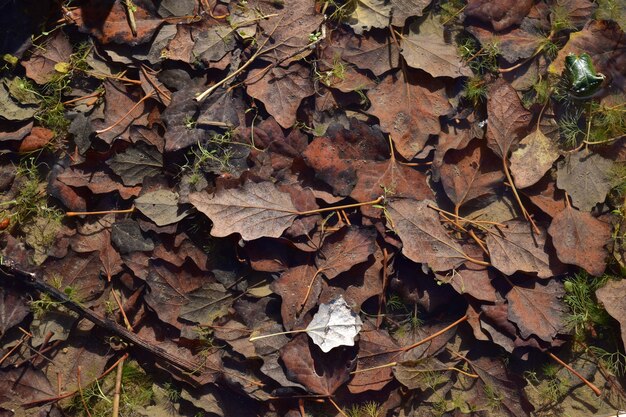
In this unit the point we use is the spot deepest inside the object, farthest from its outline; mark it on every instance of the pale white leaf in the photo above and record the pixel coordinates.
(334, 324)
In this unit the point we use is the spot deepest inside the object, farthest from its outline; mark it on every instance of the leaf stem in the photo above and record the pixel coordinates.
(517, 197)
(347, 206)
(595, 389)
(87, 213)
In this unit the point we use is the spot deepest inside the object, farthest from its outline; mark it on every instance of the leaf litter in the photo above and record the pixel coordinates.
(415, 185)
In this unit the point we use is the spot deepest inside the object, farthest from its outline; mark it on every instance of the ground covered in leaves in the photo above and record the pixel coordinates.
(362, 208)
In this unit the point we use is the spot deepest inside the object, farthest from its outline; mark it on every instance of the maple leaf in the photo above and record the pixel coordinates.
(334, 324)
(254, 210)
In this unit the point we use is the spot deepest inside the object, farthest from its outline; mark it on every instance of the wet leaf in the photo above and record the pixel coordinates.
(127, 237)
(580, 239)
(254, 210)
(122, 111)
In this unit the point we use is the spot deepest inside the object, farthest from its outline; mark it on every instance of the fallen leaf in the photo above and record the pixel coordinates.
(281, 90)
(289, 286)
(538, 309)
(40, 67)
(369, 14)
(334, 324)
(403, 9)
(213, 44)
(122, 111)
(507, 119)
(373, 51)
(13, 309)
(206, 304)
(344, 249)
(107, 21)
(501, 14)
(161, 206)
(37, 139)
(24, 385)
(470, 173)
(533, 158)
(409, 109)
(254, 210)
(514, 44)
(580, 239)
(586, 177)
(319, 374)
(613, 299)
(425, 47)
(517, 248)
(136, 163)
(424, 239)
(127, 237)
(417, 374)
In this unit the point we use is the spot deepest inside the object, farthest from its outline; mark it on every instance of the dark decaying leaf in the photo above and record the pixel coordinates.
(320, 373)
(580, 239)
(254, 210)
(24, 385)
(516, 248)
(424, 239)
(417, 374)
(127, 237)
(136, 163)
(586, 177)
(538, 310)
(40, 67)
(206, 304)
(13, 309)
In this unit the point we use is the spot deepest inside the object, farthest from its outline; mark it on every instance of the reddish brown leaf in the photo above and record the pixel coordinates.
(79, 271)
(546, 196)
(508, 119)
(292, 288)
(501, 14)
(40, 67)
(254, 210)
(337, 157)
(373, 51)
(537, 309)
(515, 44)
(613, 298)
(108, 21)
(320, 373)
(376, 348)
(24, 385)
(122, 111)
(469, 173)
(97, 181)
(409, 109)
(424, 239)
(516, 248)
(38, 138)
(580, 239)
(281, 90)
(344, 249)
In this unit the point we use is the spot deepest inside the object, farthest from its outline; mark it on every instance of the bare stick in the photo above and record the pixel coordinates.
(89, 213)
(118, 387)
(595, 389)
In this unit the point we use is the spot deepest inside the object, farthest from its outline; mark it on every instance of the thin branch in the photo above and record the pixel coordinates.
(595, 389)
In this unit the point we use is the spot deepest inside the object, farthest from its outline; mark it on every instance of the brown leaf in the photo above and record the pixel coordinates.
(118, 104)
(516, 248)
(40, 67)
(537, 309)
(292, 290)
(513, 45)
(169, 290)
(425, 47)
(254, 210)
(586, 177)
(613, 299)
(409, 109)
(13, 308)
(533, 158)
(24, 385)
(403, 9)
(108, 21)
(37, 139)
(546, 196)
(78, 271)
(508, 119)
(373, 51)
(337, 157)
(376, 348)
(580, 239)
(470, 173)
(424, 239)
(281, 90)
(320, 373)
(501, 14)
(344, 249)
(98, 181)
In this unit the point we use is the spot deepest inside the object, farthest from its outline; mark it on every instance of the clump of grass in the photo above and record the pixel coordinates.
(586, 314)
(338, 10)
(367, 409)
(212, 155)
(475, 90)
(336, 73)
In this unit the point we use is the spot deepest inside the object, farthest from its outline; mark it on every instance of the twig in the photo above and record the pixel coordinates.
(33, 280)
(130, 10)
(80, 390)
(595, 389)
(118, 387)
